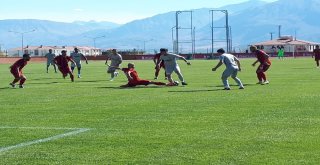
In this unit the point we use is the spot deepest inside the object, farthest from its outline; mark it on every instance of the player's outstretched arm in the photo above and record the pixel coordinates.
(85, 58)
(254, 64)
(217, 66)
(184, 59)
(74, 63)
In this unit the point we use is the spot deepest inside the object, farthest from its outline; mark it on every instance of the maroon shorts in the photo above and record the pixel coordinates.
(263, 68)
(16, 73)
(65, 70)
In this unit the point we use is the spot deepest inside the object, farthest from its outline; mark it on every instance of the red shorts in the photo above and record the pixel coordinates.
(263, 68)
(160, 66)
(16, 73)
(65, 70)
(138, 82)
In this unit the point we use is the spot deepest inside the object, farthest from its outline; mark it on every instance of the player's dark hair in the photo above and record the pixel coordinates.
(221, 51)
(26, 55)
(163, 49)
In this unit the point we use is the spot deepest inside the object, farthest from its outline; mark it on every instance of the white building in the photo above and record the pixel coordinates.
(42, 50)
(288, 43)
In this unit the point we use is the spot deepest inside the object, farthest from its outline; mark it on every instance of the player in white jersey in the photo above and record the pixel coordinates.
(76, 56)
(116, 60)
(171, 65)
(232, 67)
(50, 56)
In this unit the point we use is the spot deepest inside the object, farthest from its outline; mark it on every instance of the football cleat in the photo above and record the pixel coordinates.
(184, 83)
(12, 85)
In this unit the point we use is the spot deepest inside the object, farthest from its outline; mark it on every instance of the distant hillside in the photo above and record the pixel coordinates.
(251, 21)
(47, 32)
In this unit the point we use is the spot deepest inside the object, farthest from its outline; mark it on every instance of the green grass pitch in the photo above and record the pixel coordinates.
(277, 123)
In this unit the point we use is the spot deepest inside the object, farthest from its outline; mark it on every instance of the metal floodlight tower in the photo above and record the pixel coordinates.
(178, 27)
(94, 39)
(227, 29)
(94, 42)
(22, 37)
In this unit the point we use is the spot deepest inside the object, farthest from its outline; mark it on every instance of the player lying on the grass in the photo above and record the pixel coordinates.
(62, 62)
(232, 67)
(133, 78)
(171, 65)
(16, 71)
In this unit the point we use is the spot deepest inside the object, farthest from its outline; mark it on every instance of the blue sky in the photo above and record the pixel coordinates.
(118, 11)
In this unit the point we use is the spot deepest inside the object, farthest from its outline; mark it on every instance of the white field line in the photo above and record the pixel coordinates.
(76, 131)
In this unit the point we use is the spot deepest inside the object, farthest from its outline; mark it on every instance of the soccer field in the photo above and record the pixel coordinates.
(93, 121)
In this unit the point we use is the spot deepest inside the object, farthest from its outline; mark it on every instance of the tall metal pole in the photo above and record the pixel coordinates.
(227, 30)
(230, 36)
(271, 35)
(226, 27)
(173, 41)
(22, 33)
(212, 32)
(177, 32)
(94, 41)
(192, 31)
(279, 31)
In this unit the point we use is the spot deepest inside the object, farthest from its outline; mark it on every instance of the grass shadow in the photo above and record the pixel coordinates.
(199, 90)
(136, 87)
(44, 83)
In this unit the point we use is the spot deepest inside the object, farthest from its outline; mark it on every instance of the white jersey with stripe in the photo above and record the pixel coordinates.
(50, 57)
(229, 60)
(169, 59)
(76, 57)
(116, 59)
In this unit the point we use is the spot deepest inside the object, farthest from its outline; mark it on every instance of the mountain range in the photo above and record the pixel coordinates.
(251, 21)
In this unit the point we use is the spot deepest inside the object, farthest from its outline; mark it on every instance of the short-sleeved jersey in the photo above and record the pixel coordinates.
(132, 73)
(19, 64)
(50, 56)
(116, 59)
(76, 57)
(157, 58)
(261, 57)
(281, 52)
(316, 53)
(62, 61)
(229, 60)
(169, 59)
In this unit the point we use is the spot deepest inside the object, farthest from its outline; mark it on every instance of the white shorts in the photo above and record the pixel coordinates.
(78, 64)
(170, 69)
(50, 63)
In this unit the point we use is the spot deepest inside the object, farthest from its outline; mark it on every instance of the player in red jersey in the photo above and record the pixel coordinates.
(62, 62)
(133, 78)
(265, 63)
(156, 58)
(316, 54)
(16, 71)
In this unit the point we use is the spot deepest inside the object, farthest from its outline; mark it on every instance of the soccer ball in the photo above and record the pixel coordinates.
(176, 83)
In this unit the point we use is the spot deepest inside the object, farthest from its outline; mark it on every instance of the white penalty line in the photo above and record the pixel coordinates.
(77, 131)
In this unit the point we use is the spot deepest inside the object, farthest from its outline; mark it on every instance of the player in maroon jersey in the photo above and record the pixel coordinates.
(265, 63)
(133, 78)
(316, 54)
(16, 71)
(156, 58)
(62, 62)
